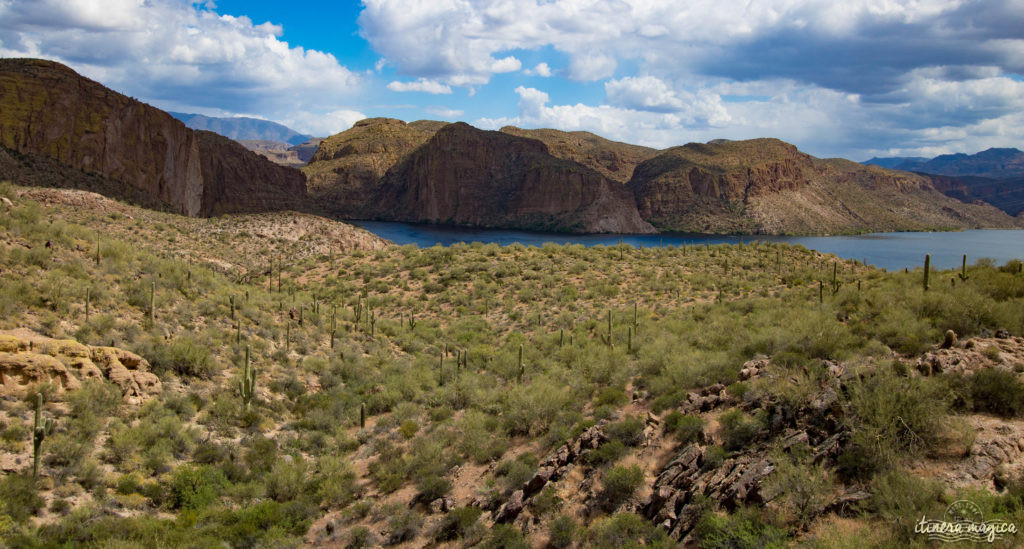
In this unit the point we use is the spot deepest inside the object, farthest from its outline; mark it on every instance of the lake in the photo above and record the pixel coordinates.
(890, 251)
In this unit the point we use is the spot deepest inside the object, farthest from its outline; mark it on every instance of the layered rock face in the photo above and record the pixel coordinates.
(768, 186)
(466, 176)
(47, 109)
(345, 170)
(237, 180)
(66, 363)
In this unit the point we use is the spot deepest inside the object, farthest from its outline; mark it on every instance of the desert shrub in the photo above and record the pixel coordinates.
(286, 480)
(894, 415)
(612, 396)
(629, 431)
(798, 484)
(609, 452)
(626, 530)
(996, 392)
(459, 523)
(504, 536)
(745, 528)
(901, 499)
(739, 429)
(335, 482)
(687, 428)
(562, 531)
(195, 487)
(403, 525)
(19, 497)
(95, 397)
(433, 486)
(513, 473)
(620, 482)
(185, 356)
(714, 457)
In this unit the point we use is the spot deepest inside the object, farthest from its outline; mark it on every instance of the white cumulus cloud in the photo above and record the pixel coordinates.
(421, 85)
(178, 55)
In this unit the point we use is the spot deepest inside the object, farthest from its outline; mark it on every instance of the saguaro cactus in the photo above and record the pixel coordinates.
(963, 269)
(247, 385)
(152, 302)
(40, 429)
(362, 415)
(927, 269)
(522, 368)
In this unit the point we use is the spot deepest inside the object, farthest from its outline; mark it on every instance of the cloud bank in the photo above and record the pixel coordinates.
(181, 56)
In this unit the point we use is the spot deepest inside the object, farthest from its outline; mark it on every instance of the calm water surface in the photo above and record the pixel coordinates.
(887, 250)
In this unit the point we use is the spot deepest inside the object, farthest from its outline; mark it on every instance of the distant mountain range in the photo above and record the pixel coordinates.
(58, 128)
(995, 176)
(242, 128)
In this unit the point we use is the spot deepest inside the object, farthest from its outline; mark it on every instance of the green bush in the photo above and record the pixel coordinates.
(286, 480)
(620, 483)
(195, 487)
(504, 536)
(562, 531)
(739, 429)
(403, 526)
(626, 530)
(629, 431)
(687, 428)
(459, 523)
(996, 392)
(745, 528)
(185, 356)
(609, 452)
(19, 497)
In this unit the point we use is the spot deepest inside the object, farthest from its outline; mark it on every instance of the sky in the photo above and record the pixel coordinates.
(856, 78)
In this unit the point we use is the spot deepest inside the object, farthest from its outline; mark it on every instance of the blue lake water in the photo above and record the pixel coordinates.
(886, 250)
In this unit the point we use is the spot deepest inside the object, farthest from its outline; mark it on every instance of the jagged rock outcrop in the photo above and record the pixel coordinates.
(65, 363)
(611, 159)
(237, 180)
(466, 176)
(768, 186)
(972, 355)
(347, 167)
(49, 110)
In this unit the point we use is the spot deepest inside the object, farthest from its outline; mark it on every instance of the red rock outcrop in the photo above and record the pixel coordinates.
(466, 176)
(768, 186)
(47, 109)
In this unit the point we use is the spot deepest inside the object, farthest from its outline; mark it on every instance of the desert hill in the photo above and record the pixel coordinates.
(466, 176)
(768, 186)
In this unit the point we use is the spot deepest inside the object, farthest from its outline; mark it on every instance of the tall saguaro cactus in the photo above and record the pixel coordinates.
(927, 269)
(963, 269)
(41, 428)
(247, 385)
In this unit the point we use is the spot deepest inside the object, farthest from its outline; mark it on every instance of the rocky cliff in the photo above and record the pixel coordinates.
(768, 186)
(48, 110)
(611, 159)
(237, 180)
(467, 176)
(347, 167)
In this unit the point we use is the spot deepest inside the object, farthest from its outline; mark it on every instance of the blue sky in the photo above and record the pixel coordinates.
(857, 78)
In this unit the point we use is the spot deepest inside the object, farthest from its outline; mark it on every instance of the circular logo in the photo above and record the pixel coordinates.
(963, 511)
